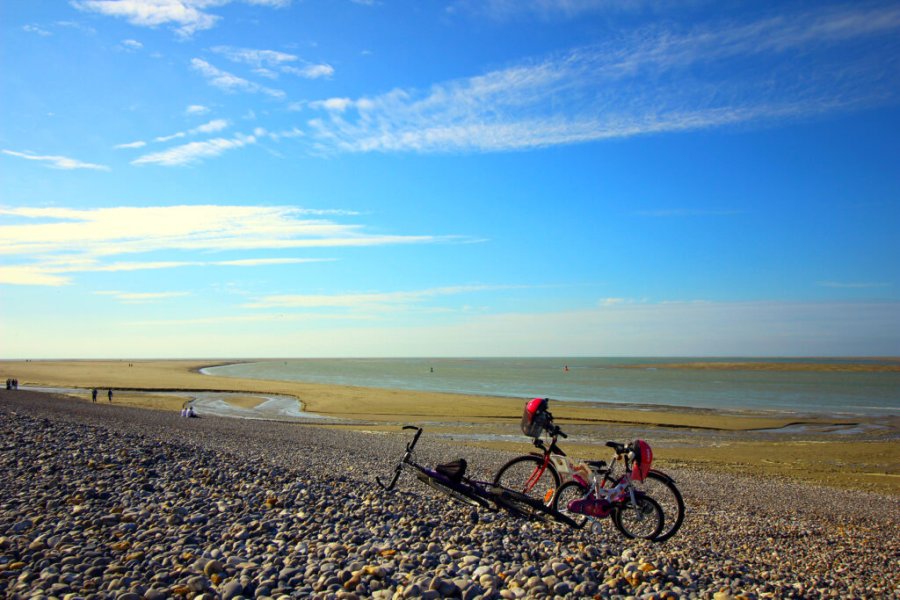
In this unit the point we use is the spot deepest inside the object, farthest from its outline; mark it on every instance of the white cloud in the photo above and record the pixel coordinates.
(57, 162)
(229, 82)
(211, 127)
(131, 45)
(196, 110)
(337, 105)
(52, 243)
(194, 151)
(646, 81)
(130, 145)
(31, 275)
(311, 71)
(186, 16)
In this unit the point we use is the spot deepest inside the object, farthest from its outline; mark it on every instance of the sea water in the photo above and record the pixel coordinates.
(638, 382)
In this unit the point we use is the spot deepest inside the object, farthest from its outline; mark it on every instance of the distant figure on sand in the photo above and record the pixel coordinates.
(94, 395)
(109, 395)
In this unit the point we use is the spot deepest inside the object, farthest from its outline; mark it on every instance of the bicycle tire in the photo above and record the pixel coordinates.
(571, 490)
(648, 513)
(457, 492)
(515, 474)
(662, 488)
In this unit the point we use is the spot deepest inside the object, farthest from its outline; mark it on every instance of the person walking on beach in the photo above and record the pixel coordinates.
(109, 395)
(94, 395)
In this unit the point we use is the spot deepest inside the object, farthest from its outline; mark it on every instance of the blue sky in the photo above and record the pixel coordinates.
(262, 178)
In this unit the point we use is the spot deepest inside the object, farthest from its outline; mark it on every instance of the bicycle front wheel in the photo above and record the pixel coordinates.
(527, 475)
(662, 488)
(644, 519)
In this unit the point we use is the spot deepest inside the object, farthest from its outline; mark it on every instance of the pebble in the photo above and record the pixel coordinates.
(111, 502)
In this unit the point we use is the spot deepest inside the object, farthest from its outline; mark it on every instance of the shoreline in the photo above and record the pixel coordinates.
(863, 450)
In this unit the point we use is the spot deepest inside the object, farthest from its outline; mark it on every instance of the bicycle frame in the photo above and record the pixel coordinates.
(567, 468)
(480, 494)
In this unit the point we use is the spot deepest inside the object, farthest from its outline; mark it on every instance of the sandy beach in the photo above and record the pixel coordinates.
(856, 454)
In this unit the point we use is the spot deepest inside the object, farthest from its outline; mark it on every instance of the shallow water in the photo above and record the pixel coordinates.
(280, 408)
(604, 380)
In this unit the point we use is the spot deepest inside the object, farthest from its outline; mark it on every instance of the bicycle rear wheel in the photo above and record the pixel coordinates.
(524, 474)
(644, 519)
(662, 488)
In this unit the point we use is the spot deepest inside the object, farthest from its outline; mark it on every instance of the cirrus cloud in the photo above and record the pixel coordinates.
(45, 246)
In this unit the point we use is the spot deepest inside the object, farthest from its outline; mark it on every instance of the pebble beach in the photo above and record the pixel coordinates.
(106, 501)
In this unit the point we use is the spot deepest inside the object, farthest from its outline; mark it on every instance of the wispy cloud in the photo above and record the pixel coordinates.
(663, 79)
(185, 16)
(194, 151)
(255, 58)
(141, 297)
(213, 126)
(46, 245)
(271, 62)
(379, 300)
(231, 83)
(57, 162)
(196, 110)
(36, 30)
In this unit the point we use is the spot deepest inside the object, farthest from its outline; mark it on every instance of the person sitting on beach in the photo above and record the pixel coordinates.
(191, 413)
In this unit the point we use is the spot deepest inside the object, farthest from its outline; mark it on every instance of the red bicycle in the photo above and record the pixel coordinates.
(542, 474)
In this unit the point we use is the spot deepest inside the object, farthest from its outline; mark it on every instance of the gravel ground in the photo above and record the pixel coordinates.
(103, 501)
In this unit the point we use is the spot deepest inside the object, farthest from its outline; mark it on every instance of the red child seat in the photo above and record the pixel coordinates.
(536, 417)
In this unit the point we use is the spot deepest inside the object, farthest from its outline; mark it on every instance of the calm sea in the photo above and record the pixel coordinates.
(603, 380)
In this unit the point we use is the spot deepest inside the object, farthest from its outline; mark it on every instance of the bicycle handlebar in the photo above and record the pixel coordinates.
(393, 482)
(411, 445)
